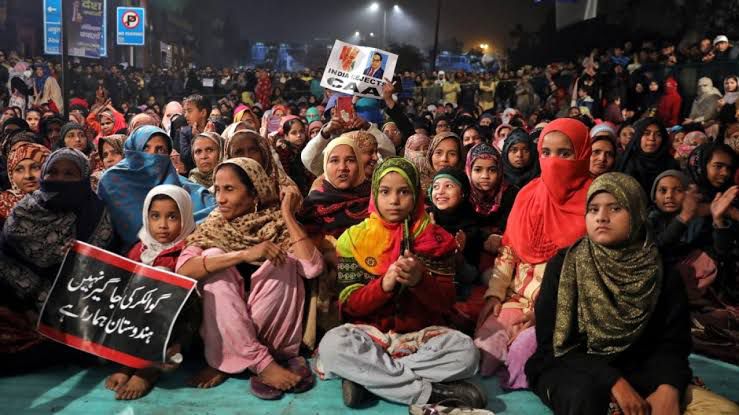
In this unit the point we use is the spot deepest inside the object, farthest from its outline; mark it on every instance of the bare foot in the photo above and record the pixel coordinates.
(119, 378)
(278, 377)
(207, 378)
(139, 384)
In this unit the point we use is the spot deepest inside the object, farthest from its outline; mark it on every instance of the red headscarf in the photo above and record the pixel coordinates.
(549, 212)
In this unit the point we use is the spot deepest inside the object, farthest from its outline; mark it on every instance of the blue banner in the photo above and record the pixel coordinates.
(130, 26)
(87, 28)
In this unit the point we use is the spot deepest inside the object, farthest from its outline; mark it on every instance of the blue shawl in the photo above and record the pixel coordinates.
(124, 186)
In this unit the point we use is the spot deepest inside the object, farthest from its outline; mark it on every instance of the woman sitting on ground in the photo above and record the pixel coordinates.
(207, 151)
(250, 257)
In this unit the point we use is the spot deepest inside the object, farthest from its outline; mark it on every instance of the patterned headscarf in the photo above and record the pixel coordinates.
(376, 243)
(25, 151)
(606, 295)
(416, 146)
(115, 141)
(252, 228)
(485, 203)
(365, 141)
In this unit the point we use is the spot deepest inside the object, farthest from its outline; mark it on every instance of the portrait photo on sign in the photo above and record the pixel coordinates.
(376, 65)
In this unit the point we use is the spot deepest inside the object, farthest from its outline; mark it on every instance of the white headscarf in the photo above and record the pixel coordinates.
(152, 248)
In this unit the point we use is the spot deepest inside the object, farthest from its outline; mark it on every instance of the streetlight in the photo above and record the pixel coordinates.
(372, 34)
(356, 33)
(374, 7)
(484, 46)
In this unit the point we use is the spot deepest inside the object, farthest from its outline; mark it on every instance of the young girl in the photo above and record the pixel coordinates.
(451, 210)
(396, 269)
(612, 323)
(491, 196)
(289, 145)
(168, 220)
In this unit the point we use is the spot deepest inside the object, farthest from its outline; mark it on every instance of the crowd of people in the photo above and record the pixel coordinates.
(577, 221)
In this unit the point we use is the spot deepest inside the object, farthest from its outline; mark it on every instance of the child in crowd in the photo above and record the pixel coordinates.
(168, 220)
(397, 273)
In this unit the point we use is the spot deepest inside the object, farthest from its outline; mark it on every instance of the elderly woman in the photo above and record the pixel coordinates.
(35, 239)
(24, 171)
(207, 152)
(241, 141)
(251, 257)
(612, 322)
(147, 164)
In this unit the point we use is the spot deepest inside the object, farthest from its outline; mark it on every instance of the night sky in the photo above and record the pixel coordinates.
(471, 21)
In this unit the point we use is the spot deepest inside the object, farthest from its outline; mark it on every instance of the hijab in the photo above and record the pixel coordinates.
(485, 203)
(414, 147)
(547, 214)
(124, 186)
(74, 197)
(172, 108)
(206, 179)
(427, 167)
(251, 228)
(498, 140)
(329, 210)
(698, 169)
(151, 247)
(25, 151)
(642, 166)
(607, 295)
(374, 244)
(115, 141)
(520, 176)
(460, 218)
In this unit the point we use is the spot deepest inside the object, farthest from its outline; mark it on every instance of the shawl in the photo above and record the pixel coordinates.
(698, 169)
(124, 186)
(606, 295)
(640, 165)
(426, 168)
(498, 140)
(206, 179)
(270, 165)
(24, 151)
(516, 176)
(331, 211)
(115, 141)
(151, 247)
(250, 229)
(415, 150)
(485, 203)
(547, 214)
(374, 244)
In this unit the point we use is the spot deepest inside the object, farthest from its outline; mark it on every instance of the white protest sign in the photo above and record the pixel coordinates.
(358, 70)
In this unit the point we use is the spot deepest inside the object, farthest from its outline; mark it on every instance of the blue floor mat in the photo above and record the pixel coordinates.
(71, 390)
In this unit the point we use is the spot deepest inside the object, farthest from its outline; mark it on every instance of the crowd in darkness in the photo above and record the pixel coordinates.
(574, 221)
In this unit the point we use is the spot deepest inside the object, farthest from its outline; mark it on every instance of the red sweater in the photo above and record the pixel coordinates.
(410, 310)
(165, 259)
